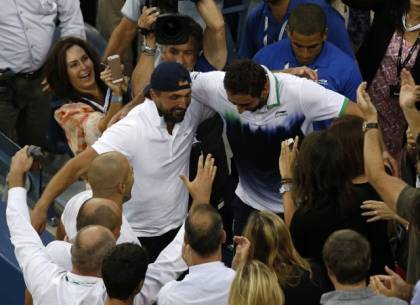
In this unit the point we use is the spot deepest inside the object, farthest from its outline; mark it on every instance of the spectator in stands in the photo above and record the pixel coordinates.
(110, 176)
(27, 29)
(394, 192)
(271, 244)
(253, 284)
(47, 282)
(208, 280)
(267, 24)
(391, 45)
(260, 109)
(306, 48)
(348, 131)
(123, 272)
(73, 73)
(318, 197)
(347, 257)
(212, 42)
(157, 139)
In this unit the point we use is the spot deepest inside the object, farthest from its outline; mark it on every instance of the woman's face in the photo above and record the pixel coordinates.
(80, 69)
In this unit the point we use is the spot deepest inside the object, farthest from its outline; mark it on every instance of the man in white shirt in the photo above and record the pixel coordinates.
(46, 281)
(110, 176)
(156, 138)
(208, 281)
(261, 109)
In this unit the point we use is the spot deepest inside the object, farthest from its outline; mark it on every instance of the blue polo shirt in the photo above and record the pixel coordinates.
(262, 29)
(336, 70)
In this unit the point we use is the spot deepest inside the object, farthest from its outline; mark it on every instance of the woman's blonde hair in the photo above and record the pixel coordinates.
(255, 284)
(272, 244)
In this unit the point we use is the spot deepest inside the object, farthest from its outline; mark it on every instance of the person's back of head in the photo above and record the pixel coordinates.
(271, 243)
(347, 129)
(321, 176)
(102, 212)
(346, 255)
(110, 173)
(255, 284)
(124, 270)
(90, 246)
(307, 19)
(204, 230)
(245, 77)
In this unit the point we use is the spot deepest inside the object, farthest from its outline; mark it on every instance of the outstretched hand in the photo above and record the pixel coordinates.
(391, 285)
(200, 187)
(365, 104)
(242, 251)
(20, 164)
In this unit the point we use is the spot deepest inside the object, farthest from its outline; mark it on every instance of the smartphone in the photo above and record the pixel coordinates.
(114, 63)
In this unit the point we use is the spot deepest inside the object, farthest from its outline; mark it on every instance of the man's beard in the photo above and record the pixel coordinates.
(174, 115)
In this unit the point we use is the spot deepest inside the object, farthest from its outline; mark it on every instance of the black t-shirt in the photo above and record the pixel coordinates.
(310, 228)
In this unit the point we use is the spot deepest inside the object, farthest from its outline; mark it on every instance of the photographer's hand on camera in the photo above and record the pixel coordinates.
(146, 20)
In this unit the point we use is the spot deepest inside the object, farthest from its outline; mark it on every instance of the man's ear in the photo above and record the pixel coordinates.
(223, 237)
(325, 35)
(121, 188)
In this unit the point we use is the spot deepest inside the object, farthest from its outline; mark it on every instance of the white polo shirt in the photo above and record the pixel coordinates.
(294, 105)
(159, 199)
(205, 284)
(71, 210)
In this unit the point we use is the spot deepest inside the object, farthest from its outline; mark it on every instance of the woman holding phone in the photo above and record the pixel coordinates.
(92, 97)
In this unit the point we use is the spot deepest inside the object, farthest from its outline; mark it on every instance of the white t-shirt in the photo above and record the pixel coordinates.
(71, 210)
(205, 284)
(294, 105)
(159, 199)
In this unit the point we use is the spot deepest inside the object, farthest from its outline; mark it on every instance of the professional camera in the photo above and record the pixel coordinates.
(170, 27)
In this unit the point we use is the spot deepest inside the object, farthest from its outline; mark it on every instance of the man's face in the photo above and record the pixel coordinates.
(307, 47)
(184, 54)
(172, 105)
(245, 102)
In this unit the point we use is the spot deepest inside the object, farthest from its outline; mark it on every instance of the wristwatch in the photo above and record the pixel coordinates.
(366, 126)
(286, 187)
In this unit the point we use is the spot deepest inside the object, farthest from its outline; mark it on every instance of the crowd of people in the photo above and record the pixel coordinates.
(288, 175)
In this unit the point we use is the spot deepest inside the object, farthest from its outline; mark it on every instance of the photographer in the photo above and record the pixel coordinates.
(202, 52)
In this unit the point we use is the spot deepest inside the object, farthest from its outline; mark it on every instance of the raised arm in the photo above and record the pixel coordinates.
(214, 40)
(409, 95)
(121, 38)
(388, 187)
(71, 171)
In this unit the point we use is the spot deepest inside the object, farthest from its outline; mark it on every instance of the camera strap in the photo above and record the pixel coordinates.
(402, 65)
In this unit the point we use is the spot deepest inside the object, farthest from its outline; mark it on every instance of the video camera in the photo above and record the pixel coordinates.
(170, 27)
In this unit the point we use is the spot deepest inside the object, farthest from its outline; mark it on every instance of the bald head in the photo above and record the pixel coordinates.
(100, 211)
(90, 246)
(106, 172)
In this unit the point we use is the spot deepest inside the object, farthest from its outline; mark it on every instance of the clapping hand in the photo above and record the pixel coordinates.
(287, 158)
(365, 104)
(242, 251)
(409, 93)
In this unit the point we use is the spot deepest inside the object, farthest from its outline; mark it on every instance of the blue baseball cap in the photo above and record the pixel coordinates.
(169, 76)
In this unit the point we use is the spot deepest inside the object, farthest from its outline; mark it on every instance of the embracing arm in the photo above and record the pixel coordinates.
(68, 174)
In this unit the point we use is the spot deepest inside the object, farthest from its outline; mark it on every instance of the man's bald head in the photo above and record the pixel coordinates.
(107, 171)
(90, 246)
(100, 211)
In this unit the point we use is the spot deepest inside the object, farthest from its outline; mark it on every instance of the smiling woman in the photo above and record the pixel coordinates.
(73, 73)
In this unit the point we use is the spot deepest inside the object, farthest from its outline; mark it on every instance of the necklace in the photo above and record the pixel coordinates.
(409, 28)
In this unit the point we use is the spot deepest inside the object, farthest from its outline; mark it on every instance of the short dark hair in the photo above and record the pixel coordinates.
(102, 216)
(55, 67)
(243, 76)
(123, 269)
(307, 19)
(347, 129)
(204, 229)
(346, 254)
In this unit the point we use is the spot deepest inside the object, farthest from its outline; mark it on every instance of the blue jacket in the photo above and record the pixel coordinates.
(263, 29)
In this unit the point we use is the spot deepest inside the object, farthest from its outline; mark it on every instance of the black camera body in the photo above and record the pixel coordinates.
(170, 27)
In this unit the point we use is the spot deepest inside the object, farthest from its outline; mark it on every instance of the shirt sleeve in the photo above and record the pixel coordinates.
(37, 267)
(168, 267)
(207, 89)
(131, 9)
(121, 137)
(318, 103)
(337, 33)
(60, 253)
(71, 19)
(353, 81)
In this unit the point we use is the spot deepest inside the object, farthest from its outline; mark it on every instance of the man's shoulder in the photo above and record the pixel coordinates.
(274, 48)
(77, 200)
(257, 12)
(336, 55)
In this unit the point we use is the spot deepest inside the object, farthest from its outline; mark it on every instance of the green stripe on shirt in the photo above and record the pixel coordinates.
(344, 107)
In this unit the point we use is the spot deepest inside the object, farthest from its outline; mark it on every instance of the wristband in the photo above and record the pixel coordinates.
(116, 99)
(148, 50)
(144, 31)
